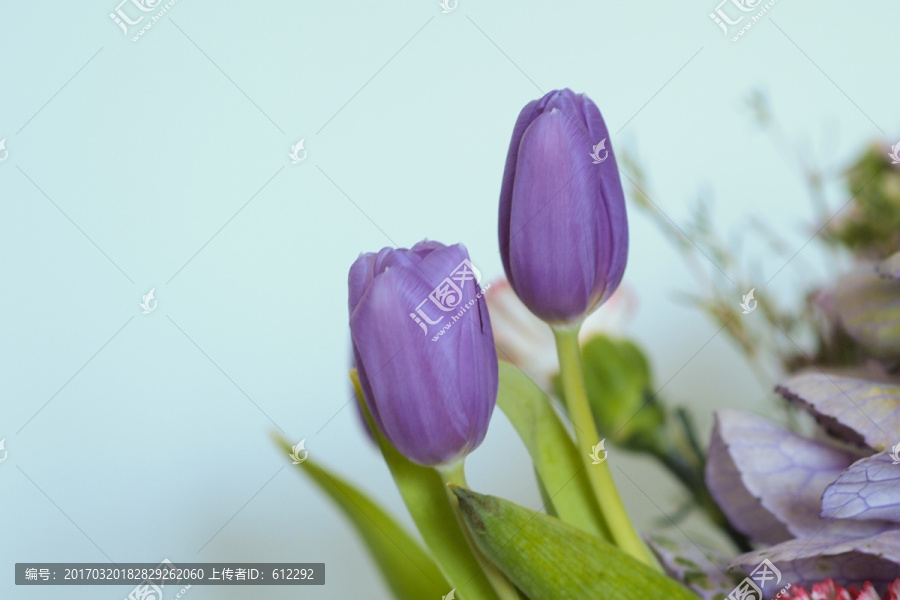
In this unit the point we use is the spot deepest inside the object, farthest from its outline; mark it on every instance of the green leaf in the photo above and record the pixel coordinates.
(408, 570)
(556, 460)
(429, 505)
(618, 381)
(551, 560)
(545, 497)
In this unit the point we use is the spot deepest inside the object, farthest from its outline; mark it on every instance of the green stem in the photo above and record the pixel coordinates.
(456, 475)
(623, 533)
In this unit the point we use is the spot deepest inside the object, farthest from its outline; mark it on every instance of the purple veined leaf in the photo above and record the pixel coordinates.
(867, 490)
(743, 508)
(703, 571)
(856, 410)
(850, 562)
(889, 268)
(868, 307)
(769, 480)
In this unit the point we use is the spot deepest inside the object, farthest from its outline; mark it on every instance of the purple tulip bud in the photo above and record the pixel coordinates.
(424, 349)
(563, 228)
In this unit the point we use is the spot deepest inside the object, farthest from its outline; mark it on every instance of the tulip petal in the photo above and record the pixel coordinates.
(361, 274)
(850, 562)
(856, 410)
(762, 475)
(866, 490)
(612, 193)
(425, 250)
(526, 116)
(558, 225)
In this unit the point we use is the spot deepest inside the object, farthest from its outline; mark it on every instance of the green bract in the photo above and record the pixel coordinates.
(551, 560)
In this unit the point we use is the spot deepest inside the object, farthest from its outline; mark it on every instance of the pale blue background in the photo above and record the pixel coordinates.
(177, 147)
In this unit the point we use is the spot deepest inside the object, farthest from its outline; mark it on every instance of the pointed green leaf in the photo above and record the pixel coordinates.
(408, 570)
(545, 497)
(551, 560)
(426, 499)
(555, 458)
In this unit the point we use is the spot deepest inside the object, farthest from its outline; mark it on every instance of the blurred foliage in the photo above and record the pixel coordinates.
(861, 228)
(871, 228)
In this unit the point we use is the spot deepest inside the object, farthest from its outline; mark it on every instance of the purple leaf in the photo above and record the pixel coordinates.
(855, 410)
(742, 507)
(867, 490)
(702, 570)
(769, 480)
(849, 562)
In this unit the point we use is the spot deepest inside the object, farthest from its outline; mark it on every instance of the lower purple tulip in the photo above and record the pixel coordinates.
(424, 349)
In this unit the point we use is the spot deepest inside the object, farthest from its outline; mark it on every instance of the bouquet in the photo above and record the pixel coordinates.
(808, 516)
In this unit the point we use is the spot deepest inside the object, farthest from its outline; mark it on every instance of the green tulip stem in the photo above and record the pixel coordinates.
(455, 474)
(614, 514)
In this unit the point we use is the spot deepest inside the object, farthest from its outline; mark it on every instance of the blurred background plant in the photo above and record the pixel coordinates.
(855, 231)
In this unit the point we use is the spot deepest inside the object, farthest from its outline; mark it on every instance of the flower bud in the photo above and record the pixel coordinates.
(424, 349)
(563, 228)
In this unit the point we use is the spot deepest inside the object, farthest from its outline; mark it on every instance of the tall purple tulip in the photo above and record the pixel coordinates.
(424, 349)
(563, 228)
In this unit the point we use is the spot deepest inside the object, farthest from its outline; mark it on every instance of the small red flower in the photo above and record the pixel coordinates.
(829, 590)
